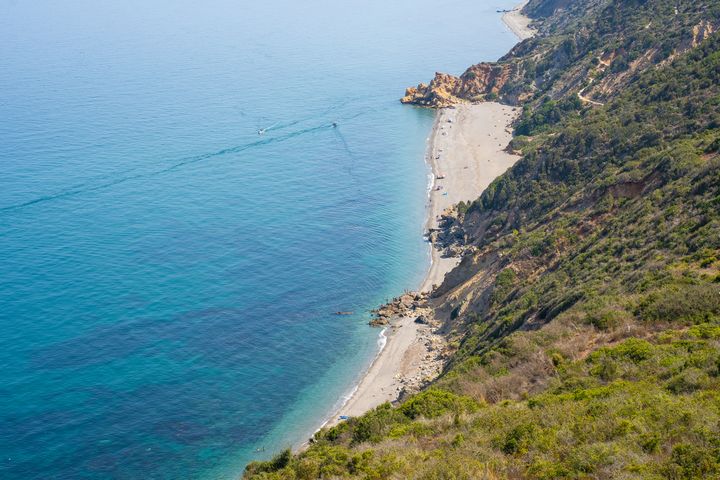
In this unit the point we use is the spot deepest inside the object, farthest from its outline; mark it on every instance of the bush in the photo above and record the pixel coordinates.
(519, 439)
(682, 303)
(278, 462)
(633, 349)
(434, 403)
(375, 425)
(692, 462)
(688, 380)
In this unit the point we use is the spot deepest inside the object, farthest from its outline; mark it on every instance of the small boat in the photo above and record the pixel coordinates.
(262, 131)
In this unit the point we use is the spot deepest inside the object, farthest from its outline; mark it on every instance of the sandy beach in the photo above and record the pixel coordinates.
(466, 151)
(518, 23)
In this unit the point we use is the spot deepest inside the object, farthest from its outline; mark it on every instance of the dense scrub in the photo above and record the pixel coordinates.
(602, 44)
(593, 350)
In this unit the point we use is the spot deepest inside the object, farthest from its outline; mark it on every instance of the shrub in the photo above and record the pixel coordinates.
(375, 425)
(692, 462)
(682, 303)
(278, 462)
(633, 349)
(689, 380)
(519, 439)
(434, 403)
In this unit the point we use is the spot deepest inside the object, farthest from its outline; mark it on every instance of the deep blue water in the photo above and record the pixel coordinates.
(167, 275)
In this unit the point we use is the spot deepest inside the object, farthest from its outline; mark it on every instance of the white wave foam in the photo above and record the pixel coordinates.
(382, 341)
(343, 400)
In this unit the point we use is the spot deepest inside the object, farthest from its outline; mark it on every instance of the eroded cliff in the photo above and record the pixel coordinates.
(483, 81)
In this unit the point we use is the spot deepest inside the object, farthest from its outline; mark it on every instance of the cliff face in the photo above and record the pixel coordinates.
(479, 82)
(592, 49)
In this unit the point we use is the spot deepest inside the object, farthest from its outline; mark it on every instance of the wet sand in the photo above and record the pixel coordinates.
(518, 23)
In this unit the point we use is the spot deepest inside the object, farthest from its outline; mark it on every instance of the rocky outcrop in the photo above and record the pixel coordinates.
(701, 32)
(408, 304)
(449, 237)
(479, 82)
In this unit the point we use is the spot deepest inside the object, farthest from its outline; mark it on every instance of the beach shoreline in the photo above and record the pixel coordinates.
(518, 23)
(465, 152)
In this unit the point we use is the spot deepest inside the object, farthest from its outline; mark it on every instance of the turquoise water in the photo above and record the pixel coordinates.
(168, 276)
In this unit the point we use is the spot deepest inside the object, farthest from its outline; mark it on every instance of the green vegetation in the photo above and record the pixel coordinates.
(593, 350)
(639, 409)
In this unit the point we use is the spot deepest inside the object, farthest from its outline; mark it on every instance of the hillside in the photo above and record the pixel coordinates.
(595, 47)
(584, 316)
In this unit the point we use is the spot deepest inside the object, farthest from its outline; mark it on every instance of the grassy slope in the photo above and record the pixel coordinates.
(586, 312)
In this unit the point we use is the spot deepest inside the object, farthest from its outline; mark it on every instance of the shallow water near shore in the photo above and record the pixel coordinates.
(170, 276)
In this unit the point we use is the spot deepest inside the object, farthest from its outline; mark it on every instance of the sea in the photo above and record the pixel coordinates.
(189, 191)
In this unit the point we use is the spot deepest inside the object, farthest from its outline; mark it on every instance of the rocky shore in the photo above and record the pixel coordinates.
(486, 81)
(467, 152)
(480, 82)
(408, 304)
(426, 358)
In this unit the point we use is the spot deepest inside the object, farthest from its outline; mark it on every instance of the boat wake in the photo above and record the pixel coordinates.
(177, 164)
(85, 187)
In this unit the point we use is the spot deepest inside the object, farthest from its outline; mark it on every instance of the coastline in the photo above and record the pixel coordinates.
(466, 153)
(518, 23)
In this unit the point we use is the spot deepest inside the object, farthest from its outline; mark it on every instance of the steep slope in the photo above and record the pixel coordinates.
(585, 314)
(596, 47)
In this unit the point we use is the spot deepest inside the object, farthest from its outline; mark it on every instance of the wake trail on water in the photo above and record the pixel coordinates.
(281, 126)
(84, 188)
(87, 187)
(351, 165)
